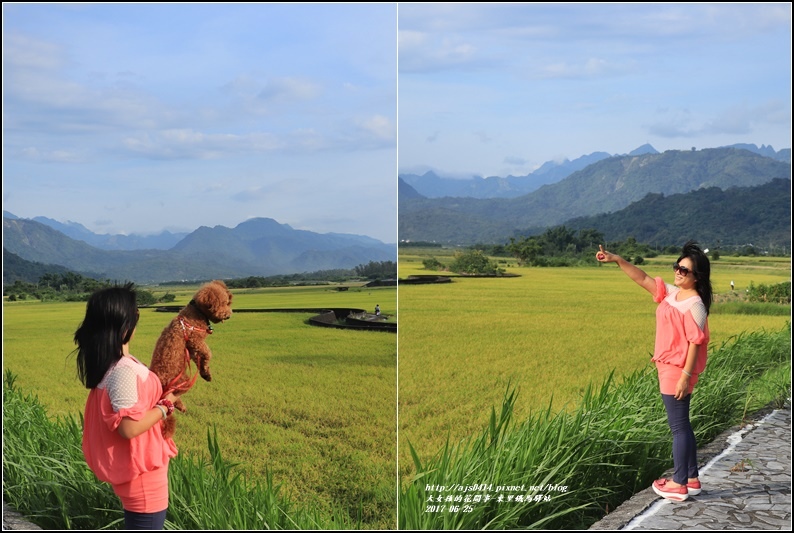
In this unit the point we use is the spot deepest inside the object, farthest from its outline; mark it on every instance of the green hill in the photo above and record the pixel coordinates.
(735, 217)
(17, 269)
(606, 186)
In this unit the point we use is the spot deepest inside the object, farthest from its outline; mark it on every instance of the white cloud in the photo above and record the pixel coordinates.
(379, 126)
(420, 52)
(288, 90)
(48, 156)
(22, 51)
(187, 143)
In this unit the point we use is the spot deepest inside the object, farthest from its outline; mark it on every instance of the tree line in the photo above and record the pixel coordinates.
(70, 287)
(73, 287)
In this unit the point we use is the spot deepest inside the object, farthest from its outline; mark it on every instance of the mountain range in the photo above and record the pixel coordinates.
(160, 241)
(431, 185)
(256, 247)
(606, 186)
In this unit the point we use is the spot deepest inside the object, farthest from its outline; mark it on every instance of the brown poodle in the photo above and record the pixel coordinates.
(184, 339)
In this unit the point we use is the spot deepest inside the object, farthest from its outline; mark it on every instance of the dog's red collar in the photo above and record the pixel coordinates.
(190, 327)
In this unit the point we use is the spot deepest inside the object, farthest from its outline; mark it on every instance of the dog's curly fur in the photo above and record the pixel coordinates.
(186, 334)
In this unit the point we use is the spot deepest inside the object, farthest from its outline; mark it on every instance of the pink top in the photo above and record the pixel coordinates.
(679, 323)
(128, 389)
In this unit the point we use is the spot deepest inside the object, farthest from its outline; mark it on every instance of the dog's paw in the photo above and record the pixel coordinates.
(180, 406)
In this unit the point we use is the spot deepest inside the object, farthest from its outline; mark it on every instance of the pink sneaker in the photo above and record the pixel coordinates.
(662, 488)
(693, 487)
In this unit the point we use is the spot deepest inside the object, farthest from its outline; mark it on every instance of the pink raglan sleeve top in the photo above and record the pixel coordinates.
(128, 389)
(677, 325)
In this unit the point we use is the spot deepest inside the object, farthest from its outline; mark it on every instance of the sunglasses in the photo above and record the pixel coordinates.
(684, 271)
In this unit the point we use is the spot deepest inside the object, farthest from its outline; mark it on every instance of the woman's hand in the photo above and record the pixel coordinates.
(605, 257)
(682, 387)
(171, 397)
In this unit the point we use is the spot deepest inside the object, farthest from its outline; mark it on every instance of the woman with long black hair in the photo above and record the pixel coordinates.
(680, 353)
(123, 442)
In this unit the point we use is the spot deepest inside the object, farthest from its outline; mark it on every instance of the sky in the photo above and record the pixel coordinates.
(500, 89)
(138, 118)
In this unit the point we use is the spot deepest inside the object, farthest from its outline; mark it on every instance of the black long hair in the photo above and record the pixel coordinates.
(110, 319)
(702, 271)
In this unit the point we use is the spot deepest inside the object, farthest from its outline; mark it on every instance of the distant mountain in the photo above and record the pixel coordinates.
(431, 185)
(257, 247)
(161, 241)
(404, 190)
(644, 149)
(553, 171)
(766, 151)
(608, 185)
(736, 216)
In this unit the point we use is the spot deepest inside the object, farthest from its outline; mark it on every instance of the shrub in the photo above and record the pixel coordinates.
(433, 264)
(474, 262)
(778, 293)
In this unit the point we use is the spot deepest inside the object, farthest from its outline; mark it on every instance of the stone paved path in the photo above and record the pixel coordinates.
(746, 486)
(15, 521)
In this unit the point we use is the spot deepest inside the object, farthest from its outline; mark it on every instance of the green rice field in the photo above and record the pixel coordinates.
(548, 333)
(315, 407)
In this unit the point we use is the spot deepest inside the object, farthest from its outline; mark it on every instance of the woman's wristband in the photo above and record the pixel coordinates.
(167, 404)
(162, 410)
(687, 373)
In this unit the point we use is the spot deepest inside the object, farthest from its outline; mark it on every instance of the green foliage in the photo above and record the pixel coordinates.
(433, 264)
(474, 262)
(560, 246)
(377, 270)
(724, 219)
(45, 476)
(68, 286)
(750, 308)
(417, 244)
(776, 293)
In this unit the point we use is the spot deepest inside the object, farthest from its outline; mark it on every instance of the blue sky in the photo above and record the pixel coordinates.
(499, 89)
(143, 117)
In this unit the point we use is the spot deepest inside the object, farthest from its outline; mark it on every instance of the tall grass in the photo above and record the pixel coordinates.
(752, 308)
(45, 477)
(613, 443)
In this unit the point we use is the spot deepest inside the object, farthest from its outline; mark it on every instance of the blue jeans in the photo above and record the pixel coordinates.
(134, 520)
(685, 449)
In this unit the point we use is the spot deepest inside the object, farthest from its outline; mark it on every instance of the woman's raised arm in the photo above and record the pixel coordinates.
(636, 274)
